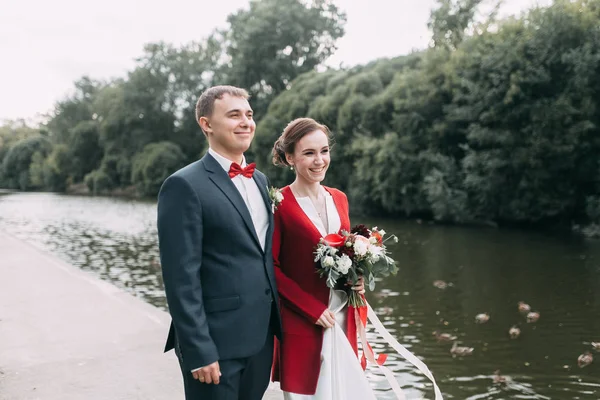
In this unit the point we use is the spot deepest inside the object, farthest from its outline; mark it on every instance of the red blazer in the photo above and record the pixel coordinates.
(303, 294)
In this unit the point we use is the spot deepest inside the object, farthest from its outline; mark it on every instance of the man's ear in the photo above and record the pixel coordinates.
(205, 125)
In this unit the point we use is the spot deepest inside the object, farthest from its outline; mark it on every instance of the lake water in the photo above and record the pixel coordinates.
(485, 271)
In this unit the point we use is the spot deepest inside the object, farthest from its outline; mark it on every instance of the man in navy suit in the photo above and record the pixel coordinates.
(215, 226)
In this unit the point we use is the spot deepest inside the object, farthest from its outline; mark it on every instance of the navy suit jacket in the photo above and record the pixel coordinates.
(220, 284)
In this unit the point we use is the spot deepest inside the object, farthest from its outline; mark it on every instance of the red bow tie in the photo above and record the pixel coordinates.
(236, 170)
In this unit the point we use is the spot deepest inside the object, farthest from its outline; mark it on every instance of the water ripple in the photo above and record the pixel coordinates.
(485, 271)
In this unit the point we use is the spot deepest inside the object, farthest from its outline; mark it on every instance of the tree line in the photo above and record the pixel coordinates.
(498, 126)
(496, 122)
(128, 134)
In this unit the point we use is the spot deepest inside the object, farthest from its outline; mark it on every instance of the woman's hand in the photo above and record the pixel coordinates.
(360, 285)
(326, 320)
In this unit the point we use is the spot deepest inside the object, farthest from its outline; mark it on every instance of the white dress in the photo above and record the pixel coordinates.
(341, 376)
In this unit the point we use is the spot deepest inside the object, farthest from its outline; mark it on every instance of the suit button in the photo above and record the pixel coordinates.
(267, 292)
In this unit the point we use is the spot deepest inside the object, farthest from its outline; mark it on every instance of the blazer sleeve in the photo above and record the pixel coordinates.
(180, 244)
(290, 292)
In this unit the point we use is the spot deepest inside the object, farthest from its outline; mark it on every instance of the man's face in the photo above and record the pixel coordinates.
(230, 128)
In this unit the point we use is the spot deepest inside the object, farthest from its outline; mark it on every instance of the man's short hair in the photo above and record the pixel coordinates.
(206, 102)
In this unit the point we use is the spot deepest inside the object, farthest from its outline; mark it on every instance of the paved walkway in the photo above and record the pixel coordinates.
(67, 335)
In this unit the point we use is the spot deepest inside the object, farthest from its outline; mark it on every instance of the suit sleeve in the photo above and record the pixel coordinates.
(290, 292)
(180, 243)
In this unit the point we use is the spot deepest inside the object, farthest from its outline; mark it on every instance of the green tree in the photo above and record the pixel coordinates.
(51, 172)
(529, 97)
(98, 182)
(501, 125)
(12, 132)
(387, 176)
(275, 41)
(85, 149)
(15, 166)
(451, 20)
(117, 167)
(36, 170)
(154, 164)
(189, 70)
(72, 110)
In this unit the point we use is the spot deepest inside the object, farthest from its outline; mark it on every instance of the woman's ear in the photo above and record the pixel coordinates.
(290, 159)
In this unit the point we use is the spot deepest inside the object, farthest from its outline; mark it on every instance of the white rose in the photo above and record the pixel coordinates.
(375, 253)
(361, 246)
(372, 240)
(328, 262)
(344, 264)
(278, 197)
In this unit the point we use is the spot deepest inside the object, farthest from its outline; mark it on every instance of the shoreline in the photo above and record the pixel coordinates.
(66, 334)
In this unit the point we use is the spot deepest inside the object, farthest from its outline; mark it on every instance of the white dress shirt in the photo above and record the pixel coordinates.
(251, 194)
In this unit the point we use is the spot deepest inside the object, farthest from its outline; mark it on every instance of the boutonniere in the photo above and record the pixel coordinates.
(276, 197)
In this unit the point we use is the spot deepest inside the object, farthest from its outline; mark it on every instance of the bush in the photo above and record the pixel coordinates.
(118, 168)
(154, 164)
(85, 149)
(15, 166)
(99, 182)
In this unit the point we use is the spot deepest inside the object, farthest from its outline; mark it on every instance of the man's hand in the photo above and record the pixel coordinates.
(208, 374)
(360, 285)
(326, 320)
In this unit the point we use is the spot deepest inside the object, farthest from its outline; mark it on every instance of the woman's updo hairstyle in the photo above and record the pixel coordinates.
(293, 132)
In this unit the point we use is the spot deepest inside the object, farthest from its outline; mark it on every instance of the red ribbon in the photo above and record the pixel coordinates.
(360, 314)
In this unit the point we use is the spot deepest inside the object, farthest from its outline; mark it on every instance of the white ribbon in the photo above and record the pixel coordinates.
(410, 357)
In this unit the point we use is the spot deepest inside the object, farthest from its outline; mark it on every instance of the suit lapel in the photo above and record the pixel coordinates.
(261, 182)
(224, 183)
(262, 187)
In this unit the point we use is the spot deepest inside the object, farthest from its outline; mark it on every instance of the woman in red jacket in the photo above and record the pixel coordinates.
(311, 361)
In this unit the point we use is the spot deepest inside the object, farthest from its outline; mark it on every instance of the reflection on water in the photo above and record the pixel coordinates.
(114, 238)
(485, 271)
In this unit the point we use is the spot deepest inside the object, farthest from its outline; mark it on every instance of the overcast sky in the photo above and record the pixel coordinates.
(46, 45)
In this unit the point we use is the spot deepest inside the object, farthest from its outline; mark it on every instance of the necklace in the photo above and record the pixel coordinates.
(320, 205)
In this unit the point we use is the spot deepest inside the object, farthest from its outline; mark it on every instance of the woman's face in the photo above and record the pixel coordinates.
(311, 157)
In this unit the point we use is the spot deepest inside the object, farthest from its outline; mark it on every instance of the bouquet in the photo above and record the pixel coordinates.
(351, 255)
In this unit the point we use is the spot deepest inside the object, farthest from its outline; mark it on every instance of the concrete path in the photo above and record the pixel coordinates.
(67, 335)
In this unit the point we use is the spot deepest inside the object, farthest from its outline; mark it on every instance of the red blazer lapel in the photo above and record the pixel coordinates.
(341, 204)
